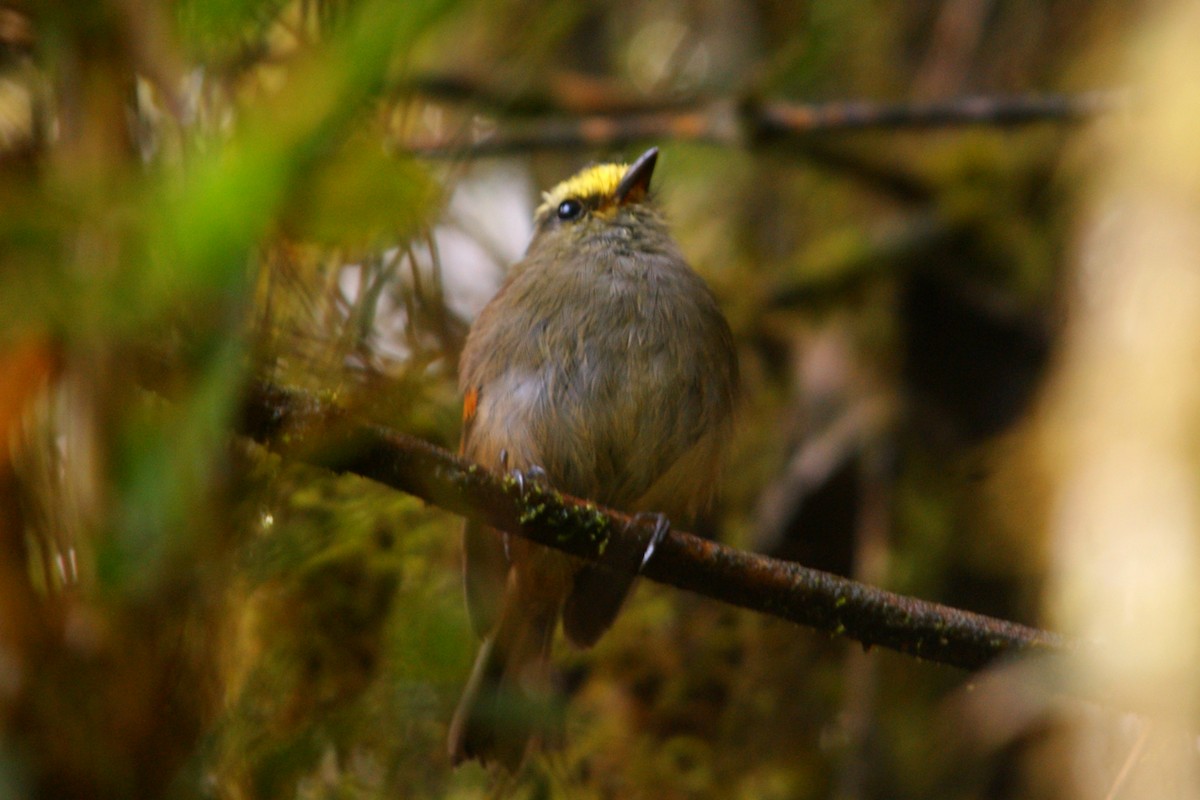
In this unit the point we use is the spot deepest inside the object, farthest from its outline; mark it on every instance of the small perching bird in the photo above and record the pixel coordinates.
(603, 366)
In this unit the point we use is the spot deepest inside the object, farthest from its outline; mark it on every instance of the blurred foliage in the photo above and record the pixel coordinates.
(346, 635)
(199, 193)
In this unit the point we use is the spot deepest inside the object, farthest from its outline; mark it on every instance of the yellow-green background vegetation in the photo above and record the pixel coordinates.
(198, 194)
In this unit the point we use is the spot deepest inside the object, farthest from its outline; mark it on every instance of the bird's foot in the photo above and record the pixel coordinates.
(526, 479)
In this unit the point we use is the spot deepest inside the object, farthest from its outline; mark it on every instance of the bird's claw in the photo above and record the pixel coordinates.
(662, 526)
(526, 478)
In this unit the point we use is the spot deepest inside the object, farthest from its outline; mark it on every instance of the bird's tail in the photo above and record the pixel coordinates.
(509, 700)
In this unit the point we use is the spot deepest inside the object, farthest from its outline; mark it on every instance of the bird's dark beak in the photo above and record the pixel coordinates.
(636, 182)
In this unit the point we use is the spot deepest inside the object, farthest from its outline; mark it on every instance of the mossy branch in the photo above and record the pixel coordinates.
(304, 426)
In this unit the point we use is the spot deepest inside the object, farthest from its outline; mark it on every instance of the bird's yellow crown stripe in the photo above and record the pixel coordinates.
(599, 180)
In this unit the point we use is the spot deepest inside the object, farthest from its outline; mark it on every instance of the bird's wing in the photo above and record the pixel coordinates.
(485, 561)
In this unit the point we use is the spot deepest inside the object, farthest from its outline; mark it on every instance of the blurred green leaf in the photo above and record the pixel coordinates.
(214, 28)
(363, 197)
(206, 224)
(165, 461)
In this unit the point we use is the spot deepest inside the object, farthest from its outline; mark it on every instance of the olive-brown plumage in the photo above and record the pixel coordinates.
(604, 361)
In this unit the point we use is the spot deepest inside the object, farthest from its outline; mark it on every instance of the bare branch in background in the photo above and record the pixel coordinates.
(755, 124)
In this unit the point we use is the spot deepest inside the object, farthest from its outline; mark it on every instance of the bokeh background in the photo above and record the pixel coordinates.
(970, 374)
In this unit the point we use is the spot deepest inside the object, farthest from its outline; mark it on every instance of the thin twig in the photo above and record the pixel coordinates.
(789, 119)
(560, 92)
(302, 425)
(757, 124)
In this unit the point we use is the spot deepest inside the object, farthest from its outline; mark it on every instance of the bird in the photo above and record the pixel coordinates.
(604, 368)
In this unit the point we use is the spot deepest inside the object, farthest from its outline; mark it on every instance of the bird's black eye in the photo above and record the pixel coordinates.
(570, 209)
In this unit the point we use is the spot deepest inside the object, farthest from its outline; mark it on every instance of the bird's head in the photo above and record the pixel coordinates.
(599, 201)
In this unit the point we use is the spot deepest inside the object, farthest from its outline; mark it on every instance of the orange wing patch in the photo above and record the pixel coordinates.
(470, 406)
